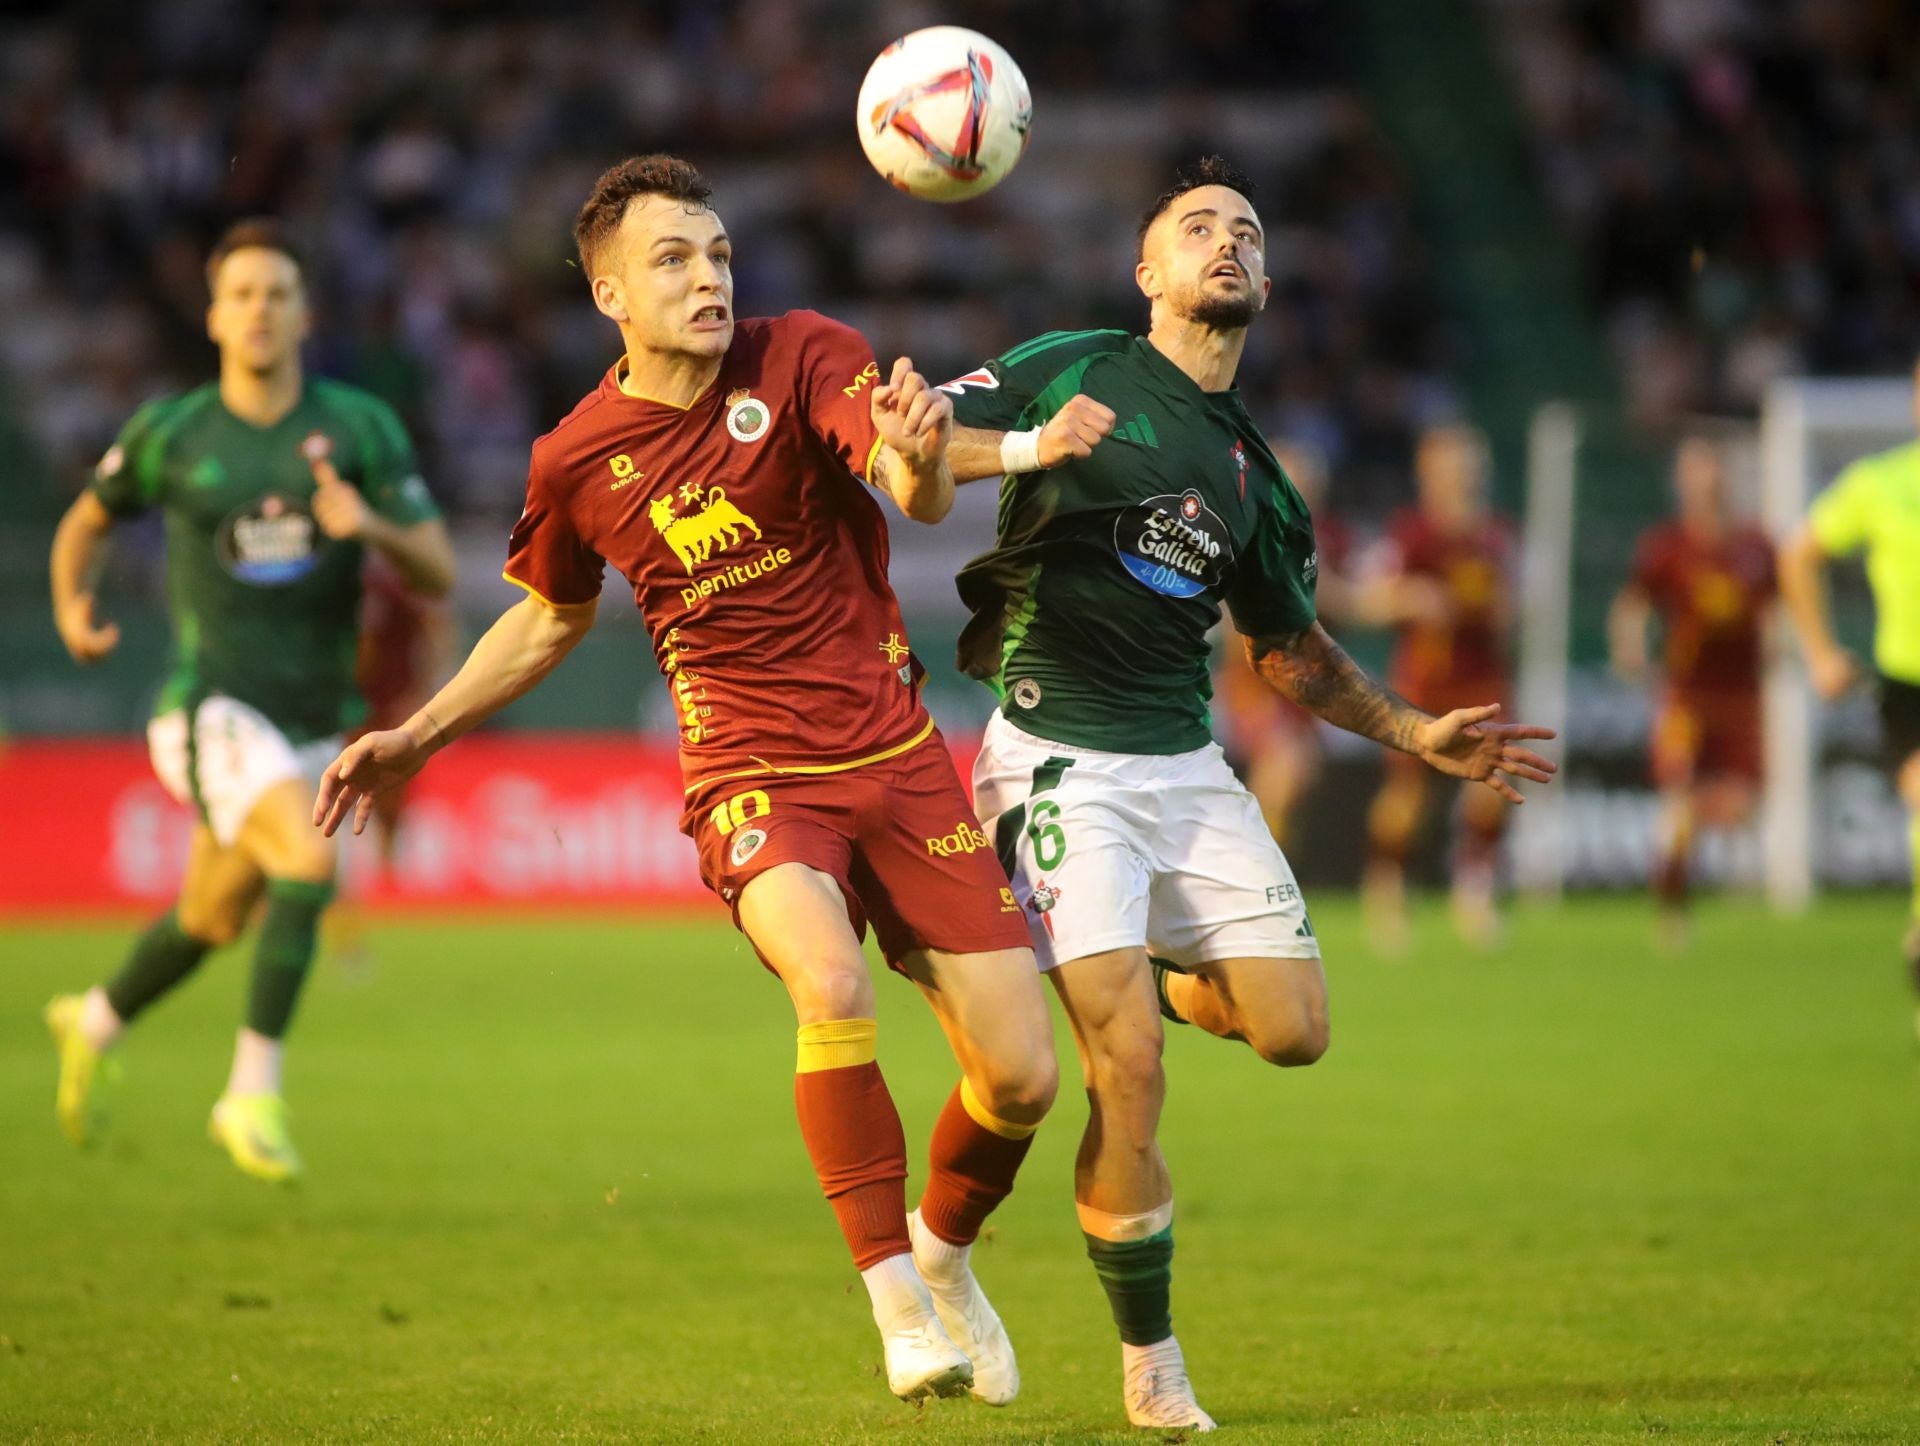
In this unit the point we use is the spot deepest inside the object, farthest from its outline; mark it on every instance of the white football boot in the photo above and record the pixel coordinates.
(965, 1311)
(923, 1361)
(1157, 1390)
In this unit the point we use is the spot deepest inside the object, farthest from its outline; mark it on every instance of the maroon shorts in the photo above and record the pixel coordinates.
(898, 836)
(1706, 735)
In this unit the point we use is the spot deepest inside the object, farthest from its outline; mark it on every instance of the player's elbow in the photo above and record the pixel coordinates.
(927, 504)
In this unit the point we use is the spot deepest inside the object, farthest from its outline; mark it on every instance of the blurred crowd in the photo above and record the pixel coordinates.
(431, 156)
(1744, 180)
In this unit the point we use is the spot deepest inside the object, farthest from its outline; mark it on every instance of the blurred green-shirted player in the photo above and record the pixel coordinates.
(271, 487)
(1872, 507)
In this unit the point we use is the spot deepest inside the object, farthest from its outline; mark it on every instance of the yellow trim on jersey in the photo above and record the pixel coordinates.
(836, 1044)
(986, 1119)
(784, 769)
(620, 374)
(542, 597)
(878, 443)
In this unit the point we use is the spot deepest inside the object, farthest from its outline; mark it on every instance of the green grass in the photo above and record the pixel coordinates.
(1569, 1192)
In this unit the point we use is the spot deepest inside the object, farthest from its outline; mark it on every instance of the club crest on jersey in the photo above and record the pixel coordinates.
(1026, 693)
(747, 416)
(316, 447)
(1176, 546)
(746, 846)
(693, 537)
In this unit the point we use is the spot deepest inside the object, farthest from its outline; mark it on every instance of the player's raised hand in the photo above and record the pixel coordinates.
(914, 419)
(339, 508)
(1467, 743)
(365, 769)
(86, 639)
(1075, 430)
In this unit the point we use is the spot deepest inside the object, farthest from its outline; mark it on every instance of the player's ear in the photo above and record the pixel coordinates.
(610, 297)
(1147, 277)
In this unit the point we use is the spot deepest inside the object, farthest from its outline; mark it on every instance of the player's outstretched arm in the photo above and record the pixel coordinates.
(1803, 588)
(76, 542)
(1073, 431)
(1314, 671)
(522, 647)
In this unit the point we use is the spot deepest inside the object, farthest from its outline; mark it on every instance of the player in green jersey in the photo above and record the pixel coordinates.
(1138, 497)
(272, 486)
(1872, 507)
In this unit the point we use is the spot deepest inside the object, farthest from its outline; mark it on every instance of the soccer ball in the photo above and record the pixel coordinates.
(943, 113)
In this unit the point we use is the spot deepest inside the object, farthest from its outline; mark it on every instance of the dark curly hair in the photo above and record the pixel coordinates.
(655, 175)
(1207, 171)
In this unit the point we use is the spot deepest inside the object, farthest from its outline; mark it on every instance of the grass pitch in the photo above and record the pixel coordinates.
(1569, 1192)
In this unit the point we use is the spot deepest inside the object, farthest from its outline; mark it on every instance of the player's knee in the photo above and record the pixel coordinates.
(831, 991)
(1023, 1089)
(1129, 1063)
(1296, 1036)
(215, 923)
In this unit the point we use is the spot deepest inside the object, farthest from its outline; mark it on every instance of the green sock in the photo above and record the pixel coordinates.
(165, 955)
(1138, 1277)
(284, 952)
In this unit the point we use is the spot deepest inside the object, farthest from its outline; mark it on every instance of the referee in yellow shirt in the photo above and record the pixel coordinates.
(1872, 507)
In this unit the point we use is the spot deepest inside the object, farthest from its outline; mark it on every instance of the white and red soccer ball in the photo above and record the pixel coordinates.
(944, 113)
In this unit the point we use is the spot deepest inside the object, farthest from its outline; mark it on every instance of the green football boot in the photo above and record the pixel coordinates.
(77, 1101)
(252, 1129)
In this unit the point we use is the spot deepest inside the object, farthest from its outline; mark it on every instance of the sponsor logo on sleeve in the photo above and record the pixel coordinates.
(869, 373)
(979, 381)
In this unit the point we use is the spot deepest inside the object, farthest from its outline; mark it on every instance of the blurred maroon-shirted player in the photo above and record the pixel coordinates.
(406, 649)
(1272, 741)
(1445, 583)
(721, 466)
(1709, 579)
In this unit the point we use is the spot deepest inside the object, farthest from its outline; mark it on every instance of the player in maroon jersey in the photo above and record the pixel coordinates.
(1273, 742)
(720, 466)
(1444, 584)
(1710, 580)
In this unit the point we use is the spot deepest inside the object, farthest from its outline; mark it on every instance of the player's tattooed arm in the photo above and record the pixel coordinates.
(1314, 671)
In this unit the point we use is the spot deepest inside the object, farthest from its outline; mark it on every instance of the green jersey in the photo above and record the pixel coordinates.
(1875, 505)
(1091, 614)
(265, 606)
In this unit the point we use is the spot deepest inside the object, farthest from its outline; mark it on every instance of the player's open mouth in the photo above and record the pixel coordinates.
(709, 317)
(1228, 269)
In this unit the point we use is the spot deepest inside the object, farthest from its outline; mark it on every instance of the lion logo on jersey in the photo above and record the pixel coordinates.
(692, 537)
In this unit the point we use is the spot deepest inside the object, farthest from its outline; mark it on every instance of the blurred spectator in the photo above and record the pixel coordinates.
(1744, 179)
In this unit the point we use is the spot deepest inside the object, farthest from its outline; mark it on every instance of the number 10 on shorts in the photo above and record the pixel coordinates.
(736, 812)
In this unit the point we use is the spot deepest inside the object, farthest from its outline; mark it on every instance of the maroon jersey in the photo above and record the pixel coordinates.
(1465, 647)
(1711, 596)
(757, 554)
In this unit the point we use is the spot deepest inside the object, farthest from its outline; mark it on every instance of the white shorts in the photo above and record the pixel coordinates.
(237, 755)
(1114, 850)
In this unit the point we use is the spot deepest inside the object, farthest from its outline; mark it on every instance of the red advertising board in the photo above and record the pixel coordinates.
(500, 819)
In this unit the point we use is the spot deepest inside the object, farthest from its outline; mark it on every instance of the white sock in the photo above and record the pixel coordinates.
(256, 1065)
(900, 1299)
(1158, 1356)
(940, 1262)
(99, 1025)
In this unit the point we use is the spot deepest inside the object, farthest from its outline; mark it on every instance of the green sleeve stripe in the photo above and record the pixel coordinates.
(149, 458)
(1027, 350)
(1058, 392)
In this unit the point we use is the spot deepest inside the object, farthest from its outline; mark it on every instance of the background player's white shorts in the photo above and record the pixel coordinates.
(237, 756)
(1111, 850)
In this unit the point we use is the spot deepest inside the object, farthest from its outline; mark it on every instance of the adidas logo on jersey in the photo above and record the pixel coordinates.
(1139, 431)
